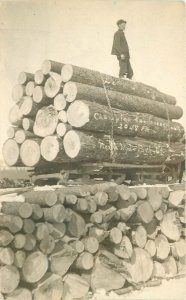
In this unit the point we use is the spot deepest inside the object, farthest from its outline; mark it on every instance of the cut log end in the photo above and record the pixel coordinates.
(60, 102)
(66, 73)
(49, 148)
(72, 144)
(70, 91)
(11, 152)
(30, 153)
(30, 88)
(18, 92)
(78, 114)
(62, 116)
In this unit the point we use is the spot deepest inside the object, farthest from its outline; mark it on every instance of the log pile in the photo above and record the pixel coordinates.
(65, 113)
(66, 242)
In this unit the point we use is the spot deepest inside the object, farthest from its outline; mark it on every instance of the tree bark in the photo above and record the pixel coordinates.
(95, 78)
(81, 146)
(43, 198)
(99, 118)
(46, 121)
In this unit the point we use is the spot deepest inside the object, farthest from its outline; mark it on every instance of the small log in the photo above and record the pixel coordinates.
(6, 256)
(55, 213)
(62, 260)
(47, 245)
(97, 217)
(76, 225)
(25, 77)
(81, 205)
(37, 212)
(145, 212)
(19, 258)
(170, 266)
(11, 153)
(91, 244)
(27, 124)
(70, 91)
(62, 116)
(162, 247)
(30, 152)
(155, 198)
(28, 107)
(163, 207)
(21, 135)
(40, 78)
(158, 270)
(50, 287)
(108, 213)
(101, 198)
(126, 213)
(20, 294)
(39, 96)
(11, 131)
(30, 242)
(51, 66)
(42, 231)
(170, 226)
(75, 285)
(60, 198)
(78, 246)
(11, 273)
(60, 102)
(112, 194)
(43, 198)
(178, 248)
(62, 129)
(176, 198)
(91, 77)
(92, 206)
(104, 277)
(139, 237)
(13, 223)
(30, 88)
(23, 210)
(18, 92)
(5, 238)
(140, 191)
(15, 116)
(150, 247)
(69, 213)
(164, 191)
(124, 249)
(152, 229)
(53, 85)
(159, 215)
(98, 233)
(19, 241)
(123, 191)
(140, 267)
(133, 197)
(85, 261)
(52, 149)
(123, 227)
(124, 290)
(59, 230)
(35, 266)
(46, 121)
(115, 235)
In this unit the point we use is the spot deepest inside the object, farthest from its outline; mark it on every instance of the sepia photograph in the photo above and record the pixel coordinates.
(92, 150)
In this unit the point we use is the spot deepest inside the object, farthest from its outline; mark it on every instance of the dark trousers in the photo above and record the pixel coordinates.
(125, 68)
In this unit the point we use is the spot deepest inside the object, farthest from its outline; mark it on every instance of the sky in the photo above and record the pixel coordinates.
(80, 32)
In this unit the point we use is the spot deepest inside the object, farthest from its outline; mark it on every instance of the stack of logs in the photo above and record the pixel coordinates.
(65, 113)
(68, 242)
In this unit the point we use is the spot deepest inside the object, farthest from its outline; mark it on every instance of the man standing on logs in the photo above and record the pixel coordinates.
(121, 50)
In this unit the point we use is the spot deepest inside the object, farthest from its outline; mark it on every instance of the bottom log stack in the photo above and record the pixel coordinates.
(70, 242)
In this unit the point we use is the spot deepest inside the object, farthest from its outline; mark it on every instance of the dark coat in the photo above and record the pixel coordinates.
(120, 45)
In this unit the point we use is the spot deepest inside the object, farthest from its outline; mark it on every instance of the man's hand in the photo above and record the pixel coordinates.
(122, 56)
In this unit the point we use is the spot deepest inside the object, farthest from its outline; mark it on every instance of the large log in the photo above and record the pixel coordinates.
(11, 153)
(30, 152)
(35, 267)
(170, 226)
(96, 78)
(46, 121)
(99, 118)
(52, 149)
(75, 90)
(9, 279)
(50, 287)
(20, 294)
(75, 286)
(81, 146)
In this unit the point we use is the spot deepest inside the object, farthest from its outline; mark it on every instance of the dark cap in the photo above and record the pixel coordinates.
(121, 21)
